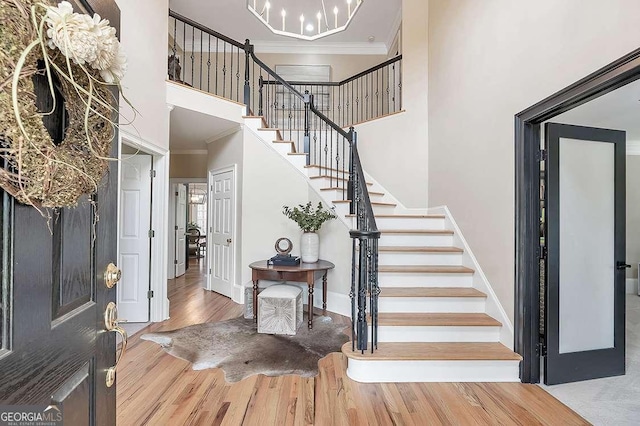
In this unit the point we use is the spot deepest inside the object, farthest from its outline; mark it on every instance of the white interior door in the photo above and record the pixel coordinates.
(180, 228)
(221, 232)
(135, 247)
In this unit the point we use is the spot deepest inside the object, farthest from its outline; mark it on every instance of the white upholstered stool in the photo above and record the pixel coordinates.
(280, 309)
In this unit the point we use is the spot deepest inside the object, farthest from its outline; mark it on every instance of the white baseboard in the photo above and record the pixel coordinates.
(631, 285)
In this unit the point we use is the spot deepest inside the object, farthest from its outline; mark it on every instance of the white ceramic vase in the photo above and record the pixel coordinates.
(309, 247)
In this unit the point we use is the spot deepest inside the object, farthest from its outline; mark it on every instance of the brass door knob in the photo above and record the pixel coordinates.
(111, 322)
(112, 275)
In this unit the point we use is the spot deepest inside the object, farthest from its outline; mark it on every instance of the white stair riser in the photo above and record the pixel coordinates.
(315, 171)
(409, 223)
(374, 371)
(326, 182)
(339, 194)
(416, 240)
(269, 136)
(409, 258)
(298, 161)
(432, 304)
(398, 279)
(253, 123)
(282, 148)
(343, 209)
(416, 333)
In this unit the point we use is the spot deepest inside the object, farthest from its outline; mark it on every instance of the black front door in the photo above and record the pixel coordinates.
(54, 347)
(585, 267)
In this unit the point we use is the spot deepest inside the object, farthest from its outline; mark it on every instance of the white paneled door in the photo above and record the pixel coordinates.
(221, 231)
(180, 228)
(135, 246)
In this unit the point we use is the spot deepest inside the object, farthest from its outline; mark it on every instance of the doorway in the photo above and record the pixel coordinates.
(582, 116)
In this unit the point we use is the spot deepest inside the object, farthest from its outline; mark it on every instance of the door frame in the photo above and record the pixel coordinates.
(159, 303)
(527, 204)
(172, 217)
(236, 289)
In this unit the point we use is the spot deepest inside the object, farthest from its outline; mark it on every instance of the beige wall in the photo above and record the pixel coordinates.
(188, 166)
(144, 37)
(633, 214)
(394, 150)
(488, 60)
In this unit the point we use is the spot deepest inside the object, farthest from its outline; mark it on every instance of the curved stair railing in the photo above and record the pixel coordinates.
(217, 64)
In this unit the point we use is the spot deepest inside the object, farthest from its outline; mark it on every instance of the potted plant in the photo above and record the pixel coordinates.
(309, 220)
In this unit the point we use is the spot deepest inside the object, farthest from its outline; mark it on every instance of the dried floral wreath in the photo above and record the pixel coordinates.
(81, 56)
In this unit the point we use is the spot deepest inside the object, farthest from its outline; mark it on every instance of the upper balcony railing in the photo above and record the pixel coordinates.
(311, 115)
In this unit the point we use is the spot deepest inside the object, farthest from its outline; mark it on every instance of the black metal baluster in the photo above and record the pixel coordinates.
(209, 67)
(231, 72)
(217, 50)
(193, 45)
(224, 69)
(394, 88)
(201, 37)
(260, 85)
(184, 51)
(238, 79)
(400, 85)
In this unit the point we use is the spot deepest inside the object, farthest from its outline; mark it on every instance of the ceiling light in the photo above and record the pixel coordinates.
(343, 13)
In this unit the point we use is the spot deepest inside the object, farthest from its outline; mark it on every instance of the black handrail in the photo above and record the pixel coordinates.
(205, 29)
(346, 80)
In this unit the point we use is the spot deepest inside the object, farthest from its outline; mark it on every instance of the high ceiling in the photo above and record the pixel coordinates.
(376, 18)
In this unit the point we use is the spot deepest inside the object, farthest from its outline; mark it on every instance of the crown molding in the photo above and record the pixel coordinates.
(633, 147)
(224, 133)
(321, 48)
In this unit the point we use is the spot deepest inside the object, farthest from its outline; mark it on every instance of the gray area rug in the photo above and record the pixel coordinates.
(235, 346)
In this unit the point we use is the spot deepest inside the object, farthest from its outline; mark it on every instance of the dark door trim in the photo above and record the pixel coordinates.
(527, 202)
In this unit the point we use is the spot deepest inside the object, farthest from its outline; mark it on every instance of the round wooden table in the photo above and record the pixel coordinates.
(304, 272)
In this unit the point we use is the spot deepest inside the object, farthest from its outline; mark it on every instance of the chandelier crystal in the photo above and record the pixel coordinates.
(315, 21)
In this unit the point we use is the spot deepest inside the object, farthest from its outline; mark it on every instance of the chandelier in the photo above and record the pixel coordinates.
(303, 21)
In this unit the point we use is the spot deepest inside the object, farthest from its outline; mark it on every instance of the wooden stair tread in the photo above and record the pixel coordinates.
(417, 231)
(293, 146)
(297, 153)
(407, 216)
(333, 177)
(410, 249)
(374, 203)
(261, 117)
(435, 351)
(315, 166)
(430, 292)
(427, 269)
(345, 189)
(432, 319)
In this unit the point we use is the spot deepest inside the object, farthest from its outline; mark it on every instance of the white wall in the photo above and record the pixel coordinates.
(394, 150)
(488, 60)
(144, 38)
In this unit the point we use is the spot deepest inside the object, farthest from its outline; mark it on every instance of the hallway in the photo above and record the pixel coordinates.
(157, 389)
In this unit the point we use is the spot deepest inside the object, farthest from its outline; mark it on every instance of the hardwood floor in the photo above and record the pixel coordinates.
(154, 388)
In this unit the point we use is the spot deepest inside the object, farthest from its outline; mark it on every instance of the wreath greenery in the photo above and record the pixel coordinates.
(36, 171)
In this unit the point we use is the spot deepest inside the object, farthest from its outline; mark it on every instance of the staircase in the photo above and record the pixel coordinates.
(432, 323)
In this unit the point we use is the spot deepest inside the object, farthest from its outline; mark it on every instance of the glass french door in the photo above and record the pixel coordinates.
(585, 232)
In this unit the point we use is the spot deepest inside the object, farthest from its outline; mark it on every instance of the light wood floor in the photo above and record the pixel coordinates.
(154, 388)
